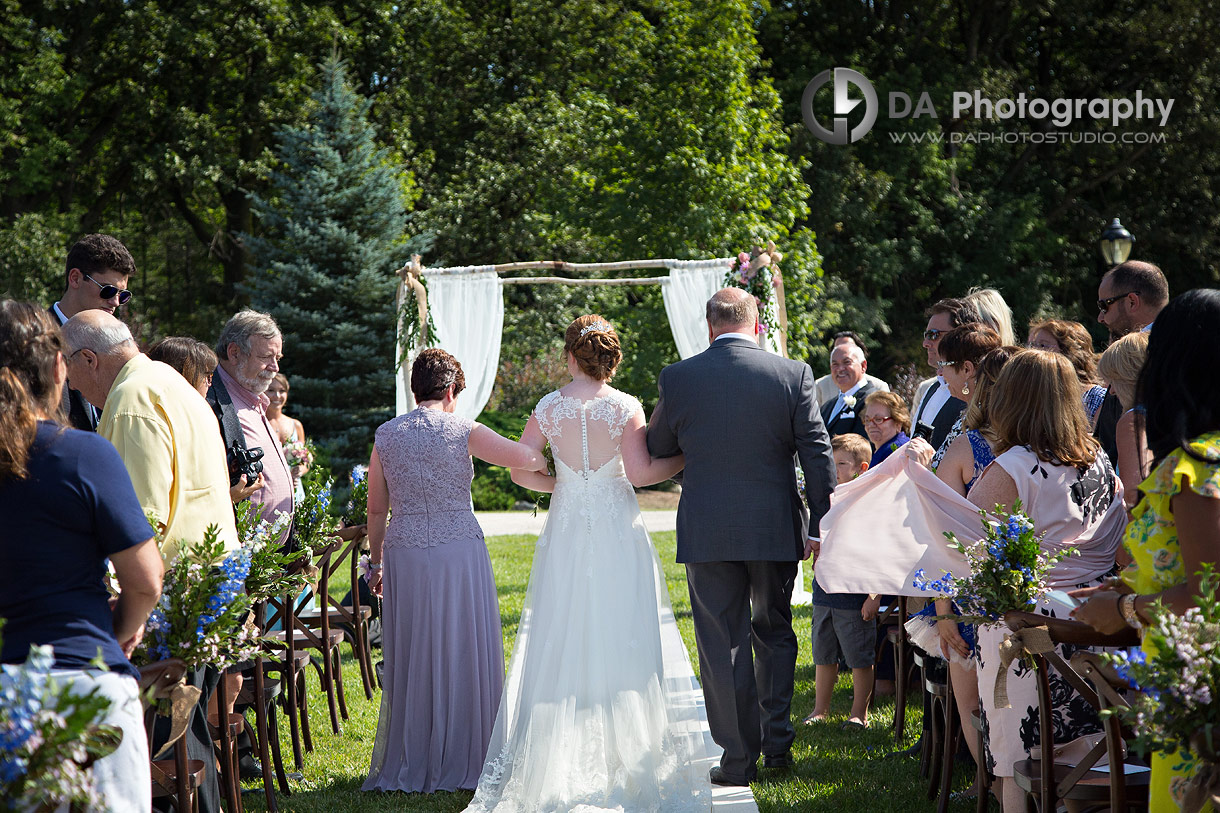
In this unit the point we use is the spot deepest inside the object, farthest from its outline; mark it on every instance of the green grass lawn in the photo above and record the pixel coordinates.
(835, 770)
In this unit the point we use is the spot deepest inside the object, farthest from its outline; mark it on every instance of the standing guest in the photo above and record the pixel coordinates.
(68, 506)
(1128, 300)
(963, 462)
(169, 443)
(250, 347)
(155, 419)
(961, 350)
(191, 357)
(1072, 339)
(444, 658)
(1045, 458)
(935, 406)
(993, 311)
(741, 546)
(96, 278)
(845, 414)
(844, 624)
(1120, 368)
(1175, 529)
(288, 430)
(887, 422)
(197, 363)
(825, 387)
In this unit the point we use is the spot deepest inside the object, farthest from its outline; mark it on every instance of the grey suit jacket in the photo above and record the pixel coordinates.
(741, 416)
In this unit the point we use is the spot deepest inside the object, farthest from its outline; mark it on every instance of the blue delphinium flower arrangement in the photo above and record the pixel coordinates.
(1176, 675)
(1008, 569)
(49, 736)
(272, 572)
(202, 608)
(314, 525)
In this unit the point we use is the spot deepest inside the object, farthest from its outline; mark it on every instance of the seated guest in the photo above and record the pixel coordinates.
(1175, 528)
(887, 422)
(68, 506)
(1046, 458)
(825, 388)
(845, 413)
(844, 624)
(1072, 339)
(1120, 368)
(961, 350)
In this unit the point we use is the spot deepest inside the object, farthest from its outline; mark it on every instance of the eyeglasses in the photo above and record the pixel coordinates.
(942, 364)
(1104, 304)
(1048, 347)
(109, 291)
(876, 420)
(933, 335)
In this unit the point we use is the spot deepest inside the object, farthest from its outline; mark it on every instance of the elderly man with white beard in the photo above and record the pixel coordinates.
(249, 348)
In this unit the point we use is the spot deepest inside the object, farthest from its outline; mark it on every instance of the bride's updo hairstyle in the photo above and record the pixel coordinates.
(433, 372)
(593, 342)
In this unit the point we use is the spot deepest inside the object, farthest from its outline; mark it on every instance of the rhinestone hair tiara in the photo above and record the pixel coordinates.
(595, 327)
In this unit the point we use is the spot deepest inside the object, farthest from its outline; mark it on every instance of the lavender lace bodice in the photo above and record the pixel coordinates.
(427, 466)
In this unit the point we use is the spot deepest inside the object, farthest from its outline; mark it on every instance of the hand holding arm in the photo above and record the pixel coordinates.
(541, 481)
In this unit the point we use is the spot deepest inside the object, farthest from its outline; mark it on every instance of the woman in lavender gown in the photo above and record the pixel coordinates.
(444, 656)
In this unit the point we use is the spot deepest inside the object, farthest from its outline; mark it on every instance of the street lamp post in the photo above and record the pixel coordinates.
(1116, 243)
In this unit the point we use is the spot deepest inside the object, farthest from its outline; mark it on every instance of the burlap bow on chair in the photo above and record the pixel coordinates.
(1028, 640)
(182, 701)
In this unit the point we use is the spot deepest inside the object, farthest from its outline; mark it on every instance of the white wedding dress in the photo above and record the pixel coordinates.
(601, 710)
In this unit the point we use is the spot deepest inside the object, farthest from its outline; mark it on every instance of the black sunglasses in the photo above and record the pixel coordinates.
(108, 291)
(1103, 305)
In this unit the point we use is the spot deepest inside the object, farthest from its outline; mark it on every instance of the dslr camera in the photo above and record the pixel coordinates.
(244, 461)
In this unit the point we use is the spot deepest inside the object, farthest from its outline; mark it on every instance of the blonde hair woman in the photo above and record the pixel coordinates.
(1120, 367)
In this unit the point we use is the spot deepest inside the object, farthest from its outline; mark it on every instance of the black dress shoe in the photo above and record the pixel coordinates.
(250, 768)
(783, 760)
(719, 777)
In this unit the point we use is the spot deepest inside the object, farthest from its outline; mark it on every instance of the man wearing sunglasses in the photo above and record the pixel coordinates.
(96, 277)
(1129, 298)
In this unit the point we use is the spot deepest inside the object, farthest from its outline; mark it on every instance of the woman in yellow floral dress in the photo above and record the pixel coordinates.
(1175, 528)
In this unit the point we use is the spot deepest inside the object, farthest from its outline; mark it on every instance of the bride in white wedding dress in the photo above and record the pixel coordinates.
(601, 710)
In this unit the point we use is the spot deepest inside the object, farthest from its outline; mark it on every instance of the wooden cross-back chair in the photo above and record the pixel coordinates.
(1044, 780)
(177, 779)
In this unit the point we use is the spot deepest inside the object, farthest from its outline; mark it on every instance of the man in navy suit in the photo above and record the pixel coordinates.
(934, 405)
(96, 277)
(845, 414)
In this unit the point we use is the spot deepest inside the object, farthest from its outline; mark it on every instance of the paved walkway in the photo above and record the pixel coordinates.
(503, 523)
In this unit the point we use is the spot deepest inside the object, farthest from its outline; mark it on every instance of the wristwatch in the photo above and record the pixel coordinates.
(1126, 606)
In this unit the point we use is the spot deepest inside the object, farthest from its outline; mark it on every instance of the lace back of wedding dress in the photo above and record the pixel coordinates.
(601, 710)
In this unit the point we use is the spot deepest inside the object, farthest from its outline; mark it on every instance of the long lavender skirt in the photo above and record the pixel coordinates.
(444, 668)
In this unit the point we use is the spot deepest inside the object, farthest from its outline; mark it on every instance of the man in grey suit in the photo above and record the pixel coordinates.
(741, 415)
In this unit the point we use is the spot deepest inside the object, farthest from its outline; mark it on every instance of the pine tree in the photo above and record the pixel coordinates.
(323, 265)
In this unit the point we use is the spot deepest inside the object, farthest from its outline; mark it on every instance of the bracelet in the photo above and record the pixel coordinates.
(1126, 606)
(374, 565)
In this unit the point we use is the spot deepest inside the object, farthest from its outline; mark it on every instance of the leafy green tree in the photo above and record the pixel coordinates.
(330, 237)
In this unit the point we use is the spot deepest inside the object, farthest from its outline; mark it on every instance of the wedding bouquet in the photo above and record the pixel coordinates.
(271, 572)
(1007, 570)
(298, 453)
(49, 736)
(753, 274)
(202, 608)
(1174, 710)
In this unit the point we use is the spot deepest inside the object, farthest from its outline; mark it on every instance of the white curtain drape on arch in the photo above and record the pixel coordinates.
(686, 292)
(468, 311)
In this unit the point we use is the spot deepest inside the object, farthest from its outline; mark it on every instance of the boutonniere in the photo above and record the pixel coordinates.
(849, 401)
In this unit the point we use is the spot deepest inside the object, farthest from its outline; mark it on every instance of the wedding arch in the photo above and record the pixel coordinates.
(466, 305)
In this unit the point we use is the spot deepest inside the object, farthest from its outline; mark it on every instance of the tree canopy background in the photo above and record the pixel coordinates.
(535, 129)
